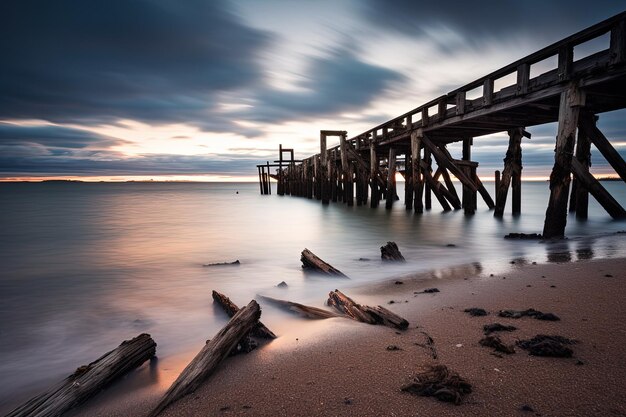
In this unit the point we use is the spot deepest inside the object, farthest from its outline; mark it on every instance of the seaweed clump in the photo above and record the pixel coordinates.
(440, 382)
(544, 345)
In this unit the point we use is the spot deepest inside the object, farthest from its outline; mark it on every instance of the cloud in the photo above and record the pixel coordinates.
(52, 136)
(461, 23)
(48, 150)
(336, 83)
(92, 62)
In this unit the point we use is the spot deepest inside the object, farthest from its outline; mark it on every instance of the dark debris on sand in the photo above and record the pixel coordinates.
(440, 382)
(427, 291)
(531, 312)
(544, 345)
(496, 343)
(497, 327)
(528, 236)
(476, 312)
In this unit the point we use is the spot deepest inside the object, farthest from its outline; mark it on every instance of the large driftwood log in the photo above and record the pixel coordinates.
(363, 313)
(211, 355)
(260, 330)
(390, 252)
(312, 262)
(306, 311)
(90, 379)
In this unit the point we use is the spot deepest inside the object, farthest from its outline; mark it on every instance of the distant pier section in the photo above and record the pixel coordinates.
(573, 93)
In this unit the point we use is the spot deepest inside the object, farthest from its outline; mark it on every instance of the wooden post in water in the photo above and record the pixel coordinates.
(408, 180)
(572, 100)
(374, 173)
(280, 187)
(347, 174)
(579, 198)
(325, 177)
(391, 179)
(511, 161)
(417, 180)
(496, 184)
(428, 167)
(258, 167)
(317, 174)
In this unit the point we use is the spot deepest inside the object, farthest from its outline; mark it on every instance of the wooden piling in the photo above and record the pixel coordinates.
(408, 181)
(427, 166)
(556, 214)
(373, 173)
(391, 179)
(511, 165)
(418, 183)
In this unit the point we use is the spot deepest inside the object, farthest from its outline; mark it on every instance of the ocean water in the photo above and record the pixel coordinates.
(87, 265)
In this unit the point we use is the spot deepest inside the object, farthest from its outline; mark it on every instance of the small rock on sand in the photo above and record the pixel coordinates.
(283, 284)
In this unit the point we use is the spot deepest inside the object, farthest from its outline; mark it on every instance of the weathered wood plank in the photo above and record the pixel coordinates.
(88, 380)
(365, 314)
(210, 356)
(596, 189)
(587, 123)
(444, 160)
(314, 263)
(301, 309)
(434, 186)
(260, 330)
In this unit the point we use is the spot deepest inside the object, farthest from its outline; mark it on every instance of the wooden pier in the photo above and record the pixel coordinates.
(573, 94)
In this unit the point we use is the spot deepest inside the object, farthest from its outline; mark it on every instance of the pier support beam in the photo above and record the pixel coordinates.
(588, 125)
(427, 171)
(375, 198)
(325, 174)
(579, 197)
(348, 194)
(391, 179)
(512, 168)
(572, 100)
(416, 171)
(408, 181)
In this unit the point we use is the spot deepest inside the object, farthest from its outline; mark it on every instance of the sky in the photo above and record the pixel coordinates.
(205, 90)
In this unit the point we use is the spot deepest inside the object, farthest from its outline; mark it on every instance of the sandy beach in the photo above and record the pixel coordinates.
(340, 367)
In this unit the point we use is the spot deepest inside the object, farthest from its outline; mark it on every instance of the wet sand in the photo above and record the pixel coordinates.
(341, 367)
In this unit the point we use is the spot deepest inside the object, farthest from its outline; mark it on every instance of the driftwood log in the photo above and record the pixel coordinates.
(90, 379)
(260, 330)
(211, 355)
(223, 263)
(390, 252)
(306, 311)
(365, 314)
(312, 262)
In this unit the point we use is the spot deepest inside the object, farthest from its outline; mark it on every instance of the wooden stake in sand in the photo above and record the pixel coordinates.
(211, 355)
(260, 330)
(312, 262)
(88, 380)
(365, 314)
(306, 311)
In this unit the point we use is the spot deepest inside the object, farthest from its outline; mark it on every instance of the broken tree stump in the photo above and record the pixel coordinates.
(211, 355)
(363, 313)
(390, 252)
(90, 379)
(311, 262)
(260, 330)
(306, 311)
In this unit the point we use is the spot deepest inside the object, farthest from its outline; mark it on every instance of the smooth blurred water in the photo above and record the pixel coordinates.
(87, 265)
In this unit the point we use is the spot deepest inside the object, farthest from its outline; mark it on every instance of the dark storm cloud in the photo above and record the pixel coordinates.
(50, 136)
(478, 21)
(100, 60)
(332, 84)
